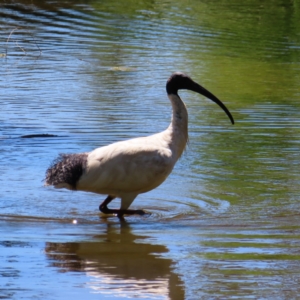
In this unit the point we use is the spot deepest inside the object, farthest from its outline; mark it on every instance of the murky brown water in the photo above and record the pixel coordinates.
(225, 225)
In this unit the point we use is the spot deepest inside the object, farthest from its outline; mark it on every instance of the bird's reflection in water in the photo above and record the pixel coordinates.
(119, 263)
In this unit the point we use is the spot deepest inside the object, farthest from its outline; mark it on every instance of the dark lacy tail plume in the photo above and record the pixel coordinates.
(66, 170)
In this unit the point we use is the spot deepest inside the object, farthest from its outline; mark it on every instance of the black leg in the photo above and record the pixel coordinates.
(103, 206)
(119, 212)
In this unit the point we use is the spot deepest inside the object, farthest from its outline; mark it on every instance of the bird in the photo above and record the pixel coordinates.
(131, 167)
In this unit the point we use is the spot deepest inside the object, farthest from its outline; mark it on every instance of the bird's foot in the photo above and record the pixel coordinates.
(121, 212)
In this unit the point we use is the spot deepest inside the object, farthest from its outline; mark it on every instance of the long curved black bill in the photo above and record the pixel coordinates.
(201, 90)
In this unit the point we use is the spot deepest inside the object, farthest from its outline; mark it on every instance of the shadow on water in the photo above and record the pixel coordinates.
(118, 263)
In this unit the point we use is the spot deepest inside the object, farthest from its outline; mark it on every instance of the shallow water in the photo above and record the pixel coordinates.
(225, 224)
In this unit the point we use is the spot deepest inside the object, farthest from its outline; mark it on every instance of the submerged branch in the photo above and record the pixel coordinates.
(17, 44)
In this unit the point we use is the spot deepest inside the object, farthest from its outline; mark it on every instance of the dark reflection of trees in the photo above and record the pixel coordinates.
(118, 254)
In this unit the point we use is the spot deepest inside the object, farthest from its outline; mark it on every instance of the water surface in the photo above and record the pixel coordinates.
(225, 224)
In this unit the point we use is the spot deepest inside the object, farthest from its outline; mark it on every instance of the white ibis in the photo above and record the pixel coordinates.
(128, 168)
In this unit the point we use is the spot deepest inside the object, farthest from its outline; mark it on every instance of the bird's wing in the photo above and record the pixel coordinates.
(129, 166)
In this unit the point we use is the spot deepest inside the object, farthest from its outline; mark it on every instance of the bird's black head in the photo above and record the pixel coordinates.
(180, 81)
